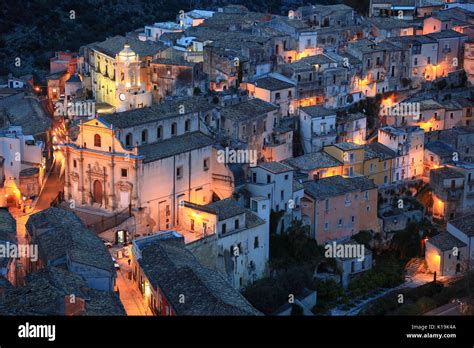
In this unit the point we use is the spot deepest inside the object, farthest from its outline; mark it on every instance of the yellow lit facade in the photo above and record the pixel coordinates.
(352, 159)
(378, 170)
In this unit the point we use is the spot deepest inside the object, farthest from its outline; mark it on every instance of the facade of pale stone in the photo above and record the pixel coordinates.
(161, 168)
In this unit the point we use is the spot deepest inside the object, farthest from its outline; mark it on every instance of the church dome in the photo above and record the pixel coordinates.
(127, 53)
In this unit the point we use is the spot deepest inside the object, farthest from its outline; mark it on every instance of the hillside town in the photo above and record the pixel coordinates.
(236, 163)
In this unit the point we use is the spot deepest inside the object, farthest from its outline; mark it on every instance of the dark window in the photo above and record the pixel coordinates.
(179, 172)
(236, 224)
(174, 129)
(129, 139)
(255, 243)
(74, 163)
(97, 140)
(224, 228)
(124, 173)
(159, 132)
(187, 126)
(144, 136)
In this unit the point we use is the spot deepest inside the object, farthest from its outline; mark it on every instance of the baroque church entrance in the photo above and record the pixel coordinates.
(97, 192)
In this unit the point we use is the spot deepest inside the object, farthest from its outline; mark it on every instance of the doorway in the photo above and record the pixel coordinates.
(97, 196)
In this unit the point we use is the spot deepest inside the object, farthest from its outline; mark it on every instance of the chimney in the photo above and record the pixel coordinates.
(2, 294)
(74, 305)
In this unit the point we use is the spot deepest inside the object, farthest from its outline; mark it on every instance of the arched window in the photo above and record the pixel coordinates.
(174, 128)
(144, 136)
(159, 132)
(187, 125)
(97, 140)
(129, 139)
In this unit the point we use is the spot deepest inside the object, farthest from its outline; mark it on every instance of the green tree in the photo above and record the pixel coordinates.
(296, 310)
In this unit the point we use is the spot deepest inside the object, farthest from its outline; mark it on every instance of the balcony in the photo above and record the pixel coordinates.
(325, 134)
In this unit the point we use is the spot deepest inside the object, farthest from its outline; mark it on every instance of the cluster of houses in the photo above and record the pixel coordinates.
(213, 129)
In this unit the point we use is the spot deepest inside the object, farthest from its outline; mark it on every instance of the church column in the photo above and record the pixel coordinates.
(105, 200)
(134, 192)
(90, 184)
(81, 179)
(112, 194)
(67, 184)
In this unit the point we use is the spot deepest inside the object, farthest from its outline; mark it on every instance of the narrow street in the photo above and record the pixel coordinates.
(130, 295)
(50, 191)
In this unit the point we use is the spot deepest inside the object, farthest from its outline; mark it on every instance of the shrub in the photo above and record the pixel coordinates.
(296, 310)
(328, 290)
(266, 295)
(425, 304)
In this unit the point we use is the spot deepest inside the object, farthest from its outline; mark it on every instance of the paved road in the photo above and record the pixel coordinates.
(130, 295)
(52, 187)
(50, 191)
(448, 309)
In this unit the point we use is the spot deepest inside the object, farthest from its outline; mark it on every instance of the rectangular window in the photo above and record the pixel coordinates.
(255, 243)
(236, 224)
(205, 164)
(179, 172)
(124, 172)
(224, 228)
